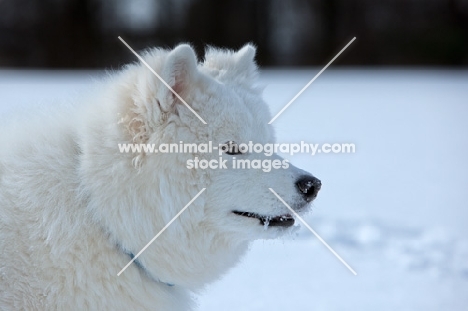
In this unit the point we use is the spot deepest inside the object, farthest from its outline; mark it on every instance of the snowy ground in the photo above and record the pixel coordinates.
(396, 210)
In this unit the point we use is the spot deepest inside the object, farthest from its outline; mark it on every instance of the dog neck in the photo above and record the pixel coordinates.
(141, 267)
(138, 264)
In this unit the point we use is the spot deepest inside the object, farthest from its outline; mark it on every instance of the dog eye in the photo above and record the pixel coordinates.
(231, 148)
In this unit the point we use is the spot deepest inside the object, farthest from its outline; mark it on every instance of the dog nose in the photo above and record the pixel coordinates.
(309, 186)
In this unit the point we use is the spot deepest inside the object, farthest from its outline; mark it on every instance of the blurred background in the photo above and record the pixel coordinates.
(83, 33)
(396, 210)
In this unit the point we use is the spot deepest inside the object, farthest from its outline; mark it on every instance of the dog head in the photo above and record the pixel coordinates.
(178, 100)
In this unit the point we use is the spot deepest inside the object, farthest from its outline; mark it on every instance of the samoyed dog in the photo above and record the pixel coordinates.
(74, 210)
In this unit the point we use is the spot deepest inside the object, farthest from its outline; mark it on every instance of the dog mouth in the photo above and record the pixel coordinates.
(285, 220)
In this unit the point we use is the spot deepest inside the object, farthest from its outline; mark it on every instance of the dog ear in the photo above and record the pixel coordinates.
(237, 67)
(180, 73)
(147, 99)
(245, 60)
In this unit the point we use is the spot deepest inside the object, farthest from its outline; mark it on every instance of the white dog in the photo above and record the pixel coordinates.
(74, 210)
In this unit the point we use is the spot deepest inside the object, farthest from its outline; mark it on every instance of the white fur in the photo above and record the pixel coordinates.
(70, 202)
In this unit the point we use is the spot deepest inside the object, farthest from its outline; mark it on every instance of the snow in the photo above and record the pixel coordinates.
(395, 210)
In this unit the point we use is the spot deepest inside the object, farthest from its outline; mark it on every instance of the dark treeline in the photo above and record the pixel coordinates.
(83, 33)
